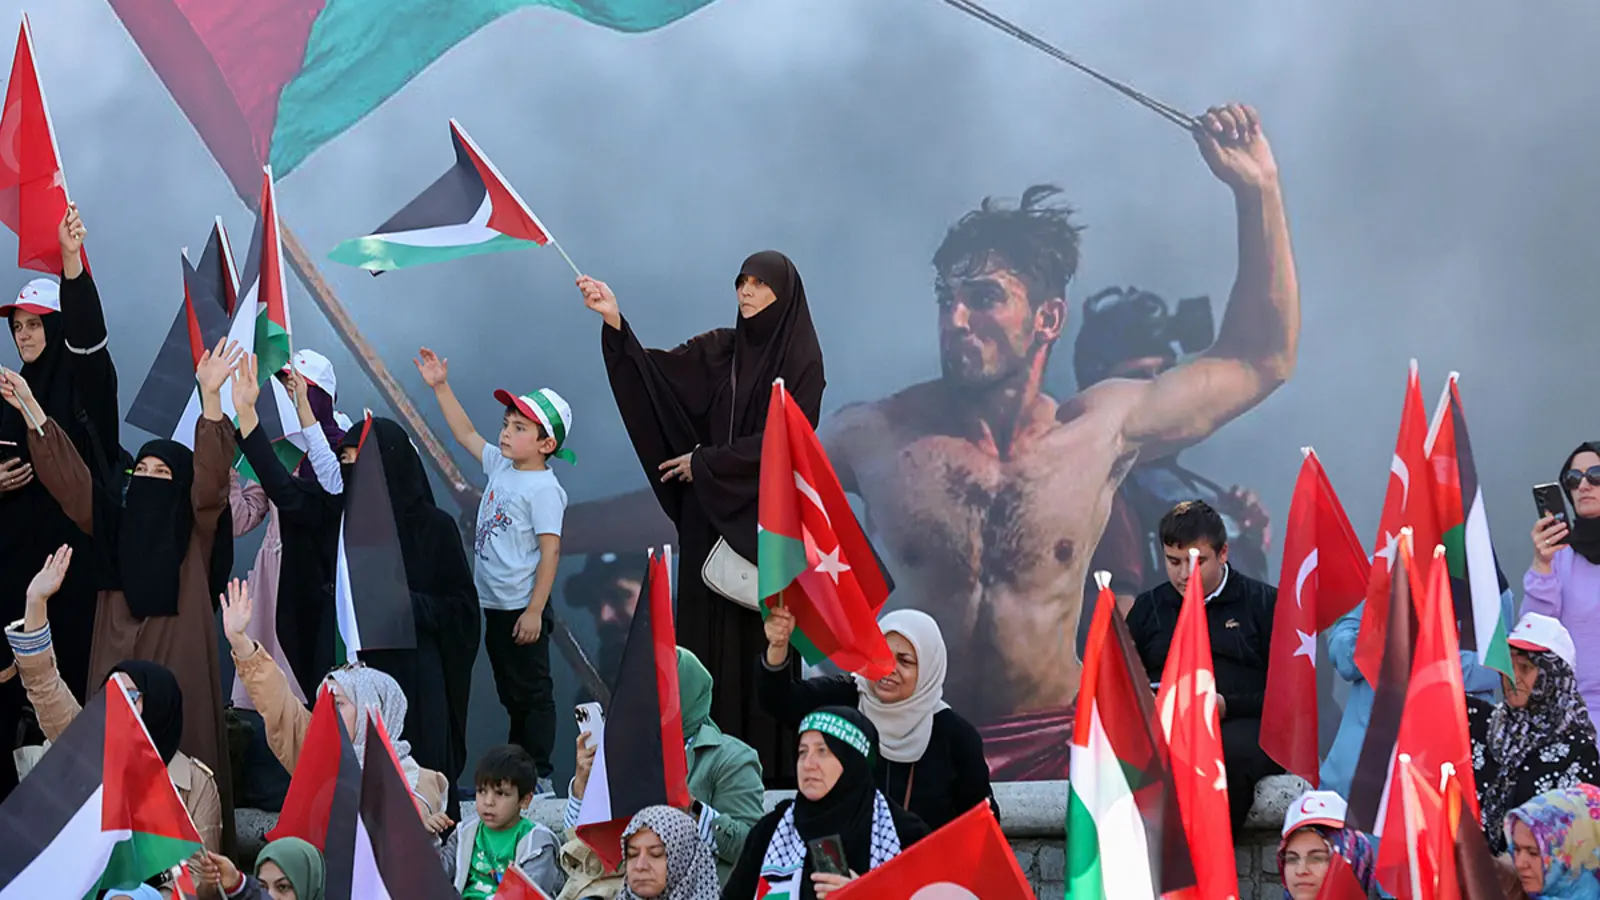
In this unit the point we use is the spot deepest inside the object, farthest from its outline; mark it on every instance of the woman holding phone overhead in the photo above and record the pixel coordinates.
(1564, 580)
(696, 414)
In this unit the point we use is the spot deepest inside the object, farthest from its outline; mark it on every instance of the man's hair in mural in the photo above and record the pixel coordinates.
(1035, 238)
(1191, 522)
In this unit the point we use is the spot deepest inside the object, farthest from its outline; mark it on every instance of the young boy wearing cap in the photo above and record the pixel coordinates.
(517, 548)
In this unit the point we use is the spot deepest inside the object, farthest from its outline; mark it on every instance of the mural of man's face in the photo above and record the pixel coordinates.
(989, 331)
(614, 614)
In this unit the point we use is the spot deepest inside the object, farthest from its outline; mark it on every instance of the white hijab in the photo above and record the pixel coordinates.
(904, 728)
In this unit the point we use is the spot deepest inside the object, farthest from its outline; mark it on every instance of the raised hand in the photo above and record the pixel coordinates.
(598, 297)
(434, 369)
(584, 766)
(780, 628)
(216, 365)
(48, 580)
(237, 609)
(1549, 535)
(70, 233)
(1236, 149)
(246, 384)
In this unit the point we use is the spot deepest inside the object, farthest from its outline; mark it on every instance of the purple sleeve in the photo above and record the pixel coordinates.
(1542, 593)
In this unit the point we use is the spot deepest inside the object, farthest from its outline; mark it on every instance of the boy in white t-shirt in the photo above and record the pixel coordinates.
(517, 548)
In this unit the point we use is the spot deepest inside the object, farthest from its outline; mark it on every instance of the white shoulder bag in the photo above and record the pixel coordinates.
(725, 571)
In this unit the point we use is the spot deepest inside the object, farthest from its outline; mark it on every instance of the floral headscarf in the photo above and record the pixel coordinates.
(1356, 848)
(691, 869)
(1566, 825)
(1555, 713)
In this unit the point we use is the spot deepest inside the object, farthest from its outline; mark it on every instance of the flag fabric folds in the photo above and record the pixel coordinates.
(1124, 833)
(324, 799)
(813, 557)
(516, 885)
(1433, 724)
(1324, 576)
(210, 294)
(266, 82)
(1465, 526)
(395, 857)
(1408, 503)
(372, 599)
(470, 209)
(1369, 785)
(968, 857)
(98, 811)
(33, 185)
(643, 736)
(1187, 705)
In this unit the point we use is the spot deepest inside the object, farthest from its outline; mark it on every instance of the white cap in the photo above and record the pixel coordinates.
(1543, 634)
(316, 369)
(1314, 808)
(40, 296)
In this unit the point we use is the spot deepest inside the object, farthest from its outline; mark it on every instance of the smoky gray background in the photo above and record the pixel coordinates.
(1437, 157)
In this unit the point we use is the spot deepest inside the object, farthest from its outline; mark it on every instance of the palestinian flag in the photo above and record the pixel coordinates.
(269, 286)
(98, 812)
(471, 209)
(371, 596)
(266, 82)
(1125, 840)
(969, 857)
(33, 186)
(812, 555)
(210, 294)
(394, 855)
(643, 735)
(324, 796)
(1459, 499)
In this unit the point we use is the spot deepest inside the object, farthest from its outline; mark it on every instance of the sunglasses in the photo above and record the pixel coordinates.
(1574, 477)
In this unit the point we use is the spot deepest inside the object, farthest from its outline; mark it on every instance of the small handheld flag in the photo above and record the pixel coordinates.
(471, 209)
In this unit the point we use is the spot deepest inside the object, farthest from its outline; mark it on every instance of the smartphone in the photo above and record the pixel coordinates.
(1550, 500)
(827, 856)
(591, 718)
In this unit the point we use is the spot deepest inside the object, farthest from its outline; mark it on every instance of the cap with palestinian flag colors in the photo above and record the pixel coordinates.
(40, 296)
(548, 409)
(1325, 808)
(1542, 634)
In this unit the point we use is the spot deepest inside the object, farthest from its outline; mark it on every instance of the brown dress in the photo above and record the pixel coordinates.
(185, 643)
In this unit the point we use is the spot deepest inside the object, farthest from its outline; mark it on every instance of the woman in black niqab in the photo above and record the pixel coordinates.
(699, 410)
(437, 676)
(79, 391)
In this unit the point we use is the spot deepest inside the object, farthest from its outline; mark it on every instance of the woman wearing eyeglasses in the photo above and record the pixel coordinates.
(1564, 580)
(1313, 834)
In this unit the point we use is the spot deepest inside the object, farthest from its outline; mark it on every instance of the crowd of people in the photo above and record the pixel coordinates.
(117, 567)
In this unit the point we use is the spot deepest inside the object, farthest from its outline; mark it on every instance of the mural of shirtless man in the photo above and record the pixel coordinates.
(987, 496)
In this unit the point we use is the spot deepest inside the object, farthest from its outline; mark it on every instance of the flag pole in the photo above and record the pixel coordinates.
(1408, 801)
(559, 249)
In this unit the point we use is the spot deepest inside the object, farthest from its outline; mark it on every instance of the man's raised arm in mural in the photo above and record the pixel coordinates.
(1255, 348)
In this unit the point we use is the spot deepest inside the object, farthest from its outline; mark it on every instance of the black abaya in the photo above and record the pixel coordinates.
(79, 391)
(690, 399)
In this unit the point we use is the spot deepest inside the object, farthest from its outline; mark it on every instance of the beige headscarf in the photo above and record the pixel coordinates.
(905, 728)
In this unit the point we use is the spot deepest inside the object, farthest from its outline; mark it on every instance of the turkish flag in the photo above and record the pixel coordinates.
(33, 187)
(1328, 568)
(1408, 504)
(969, 857)
(1187, 704)
(1340, 883)
(518, 886)
(1433, 727)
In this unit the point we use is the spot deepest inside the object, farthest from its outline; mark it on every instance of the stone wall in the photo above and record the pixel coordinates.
(1033, 816)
